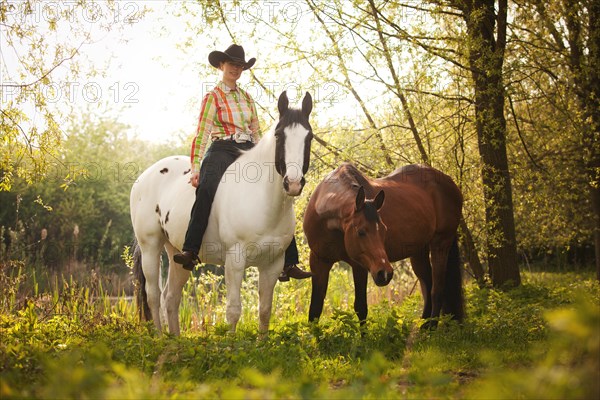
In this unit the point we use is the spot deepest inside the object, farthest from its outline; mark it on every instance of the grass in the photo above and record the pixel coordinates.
(541, 340)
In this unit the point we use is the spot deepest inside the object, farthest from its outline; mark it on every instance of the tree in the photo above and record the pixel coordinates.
(400, 116)
(553, 101)
(485, 52)
(42, 43)
(83, 202)
(580, 50)
(484, 49)
(486, 32)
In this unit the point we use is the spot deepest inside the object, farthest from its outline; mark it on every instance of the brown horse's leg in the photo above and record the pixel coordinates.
(361, 277)
(439, 262)
(422, 268)
(453, 293)
(320, 279)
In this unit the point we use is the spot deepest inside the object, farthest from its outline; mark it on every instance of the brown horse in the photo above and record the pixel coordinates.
(413, 212)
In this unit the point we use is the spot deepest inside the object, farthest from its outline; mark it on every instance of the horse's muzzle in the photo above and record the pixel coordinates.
(293, 188)
(383, 277)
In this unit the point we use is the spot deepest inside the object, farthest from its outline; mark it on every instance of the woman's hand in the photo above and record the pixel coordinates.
(195, 179)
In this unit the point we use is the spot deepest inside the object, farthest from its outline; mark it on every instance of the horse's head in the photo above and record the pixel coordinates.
(364, 237)
(293, 135)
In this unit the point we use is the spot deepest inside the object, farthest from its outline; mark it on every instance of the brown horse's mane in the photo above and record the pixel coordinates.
(353, 178)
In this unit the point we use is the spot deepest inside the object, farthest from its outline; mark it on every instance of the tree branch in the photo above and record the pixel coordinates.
(348, 82)
(514, 114)
(24, 85)
(405, 107)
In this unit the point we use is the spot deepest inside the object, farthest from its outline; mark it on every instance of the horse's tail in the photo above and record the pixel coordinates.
(453, 291)
(140, 284)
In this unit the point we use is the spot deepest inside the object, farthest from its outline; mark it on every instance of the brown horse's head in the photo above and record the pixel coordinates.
(364, 237)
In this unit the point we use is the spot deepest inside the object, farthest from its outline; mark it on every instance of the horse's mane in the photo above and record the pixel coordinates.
(339, 197)
(351, 177)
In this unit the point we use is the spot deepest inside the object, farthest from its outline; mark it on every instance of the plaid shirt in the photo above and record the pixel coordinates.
(224, 112)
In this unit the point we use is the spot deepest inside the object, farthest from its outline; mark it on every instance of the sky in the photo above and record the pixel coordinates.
(158, 88)
(146, 80)
(148, 83)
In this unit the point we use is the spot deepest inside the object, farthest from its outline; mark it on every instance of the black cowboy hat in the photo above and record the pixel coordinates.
(234, 53)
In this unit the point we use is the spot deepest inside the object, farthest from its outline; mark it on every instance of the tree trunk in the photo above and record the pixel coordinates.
(470, 253)
(592, 139)
(486, 57)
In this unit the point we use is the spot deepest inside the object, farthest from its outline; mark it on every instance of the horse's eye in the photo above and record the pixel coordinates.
(362, 233)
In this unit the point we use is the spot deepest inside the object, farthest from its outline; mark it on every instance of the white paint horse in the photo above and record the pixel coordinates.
(251, 222)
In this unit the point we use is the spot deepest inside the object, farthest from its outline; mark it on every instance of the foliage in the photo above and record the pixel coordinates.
(568, 368)
(43, 70)
(541, 336)
(78, 211)
(375, 107)
(550, 150)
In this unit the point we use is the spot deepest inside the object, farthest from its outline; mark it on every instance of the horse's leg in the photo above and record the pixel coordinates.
(267, 279)
(320, 279)
(171, 296)
(439, 261)
(422, 269)
(361, 277)
(234, 273)
(453, 292)
(151, 250)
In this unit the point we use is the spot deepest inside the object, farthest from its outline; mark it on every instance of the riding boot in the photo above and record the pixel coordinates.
(290, 267)
(293, 271)
(187, 259)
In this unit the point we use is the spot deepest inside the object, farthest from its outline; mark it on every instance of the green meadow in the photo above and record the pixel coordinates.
(71, 340)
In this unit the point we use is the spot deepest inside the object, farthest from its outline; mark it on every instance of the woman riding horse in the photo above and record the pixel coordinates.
(228, 118)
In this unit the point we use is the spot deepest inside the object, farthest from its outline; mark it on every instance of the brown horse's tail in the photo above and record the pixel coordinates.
(453, 292)
(140, 284)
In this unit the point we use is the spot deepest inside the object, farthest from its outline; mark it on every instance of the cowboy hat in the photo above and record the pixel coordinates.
(234, 54)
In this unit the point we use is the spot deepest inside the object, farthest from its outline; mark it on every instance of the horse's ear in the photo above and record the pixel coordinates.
(283, 103)
(379, 199)
(307, 104)
(360, 198)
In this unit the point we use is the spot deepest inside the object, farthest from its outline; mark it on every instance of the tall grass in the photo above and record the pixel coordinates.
(204, 307)
(76, 341)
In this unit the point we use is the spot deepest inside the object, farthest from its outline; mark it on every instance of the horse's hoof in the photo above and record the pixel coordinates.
(262, 336)
(429, 325)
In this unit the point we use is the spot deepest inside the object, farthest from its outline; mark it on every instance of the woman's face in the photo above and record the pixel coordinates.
(231, 71)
